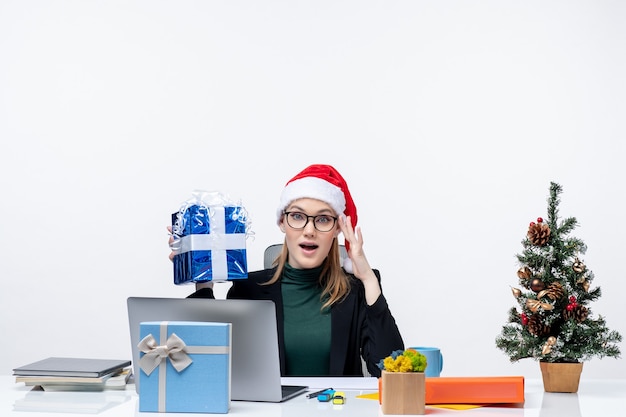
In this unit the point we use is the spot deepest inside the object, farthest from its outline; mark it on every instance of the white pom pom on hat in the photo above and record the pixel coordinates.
(324, 183)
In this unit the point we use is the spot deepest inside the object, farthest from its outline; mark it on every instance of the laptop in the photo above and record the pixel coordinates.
(255, 369)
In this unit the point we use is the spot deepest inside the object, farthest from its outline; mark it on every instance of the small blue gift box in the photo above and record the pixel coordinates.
(210, 240)
(185, 367)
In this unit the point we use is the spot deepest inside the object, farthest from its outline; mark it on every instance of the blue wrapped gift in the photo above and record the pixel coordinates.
(210, 240)
(185, 367)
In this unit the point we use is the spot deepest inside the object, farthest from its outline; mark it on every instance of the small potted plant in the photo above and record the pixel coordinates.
(553, 321)
(402, 385)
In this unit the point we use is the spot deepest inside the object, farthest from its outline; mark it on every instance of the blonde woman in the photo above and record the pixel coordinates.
(329, 315)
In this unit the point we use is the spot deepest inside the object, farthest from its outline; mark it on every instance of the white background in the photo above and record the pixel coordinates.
(449, 120)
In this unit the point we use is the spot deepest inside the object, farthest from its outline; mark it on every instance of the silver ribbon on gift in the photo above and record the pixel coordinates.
(176, 350)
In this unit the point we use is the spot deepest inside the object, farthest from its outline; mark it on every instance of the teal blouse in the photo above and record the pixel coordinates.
(306, 325)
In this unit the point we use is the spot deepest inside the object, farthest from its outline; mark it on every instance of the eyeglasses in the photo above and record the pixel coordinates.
(322, 223)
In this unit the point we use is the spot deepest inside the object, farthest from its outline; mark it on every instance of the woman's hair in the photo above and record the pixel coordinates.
(335, 282)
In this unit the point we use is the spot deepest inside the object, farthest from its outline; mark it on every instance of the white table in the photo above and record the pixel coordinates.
(606, 398)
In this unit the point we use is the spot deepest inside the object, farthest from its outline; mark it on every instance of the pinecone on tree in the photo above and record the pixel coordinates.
(536, 326)
(554, 291)
(538, 233)
(578, 313)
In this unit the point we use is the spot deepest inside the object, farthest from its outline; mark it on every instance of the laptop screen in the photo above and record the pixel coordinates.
(255, 360)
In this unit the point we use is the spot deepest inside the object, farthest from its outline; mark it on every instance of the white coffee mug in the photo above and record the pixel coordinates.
(434, 360)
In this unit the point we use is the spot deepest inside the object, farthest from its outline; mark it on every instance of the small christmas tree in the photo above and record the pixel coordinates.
(554, 322)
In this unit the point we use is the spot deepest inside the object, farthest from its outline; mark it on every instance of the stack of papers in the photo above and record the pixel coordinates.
(75, 374)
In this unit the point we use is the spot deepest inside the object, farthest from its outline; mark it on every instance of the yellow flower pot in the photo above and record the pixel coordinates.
(403, 393)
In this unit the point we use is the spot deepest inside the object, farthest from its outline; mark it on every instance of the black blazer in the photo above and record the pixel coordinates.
(356, 328)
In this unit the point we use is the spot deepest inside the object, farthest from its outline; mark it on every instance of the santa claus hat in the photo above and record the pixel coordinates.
(324, 183)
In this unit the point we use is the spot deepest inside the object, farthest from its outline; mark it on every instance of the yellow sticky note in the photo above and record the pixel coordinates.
(371, 396)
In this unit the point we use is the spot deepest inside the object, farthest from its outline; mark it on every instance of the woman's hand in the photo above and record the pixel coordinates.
(360, 266)
(171, 243)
